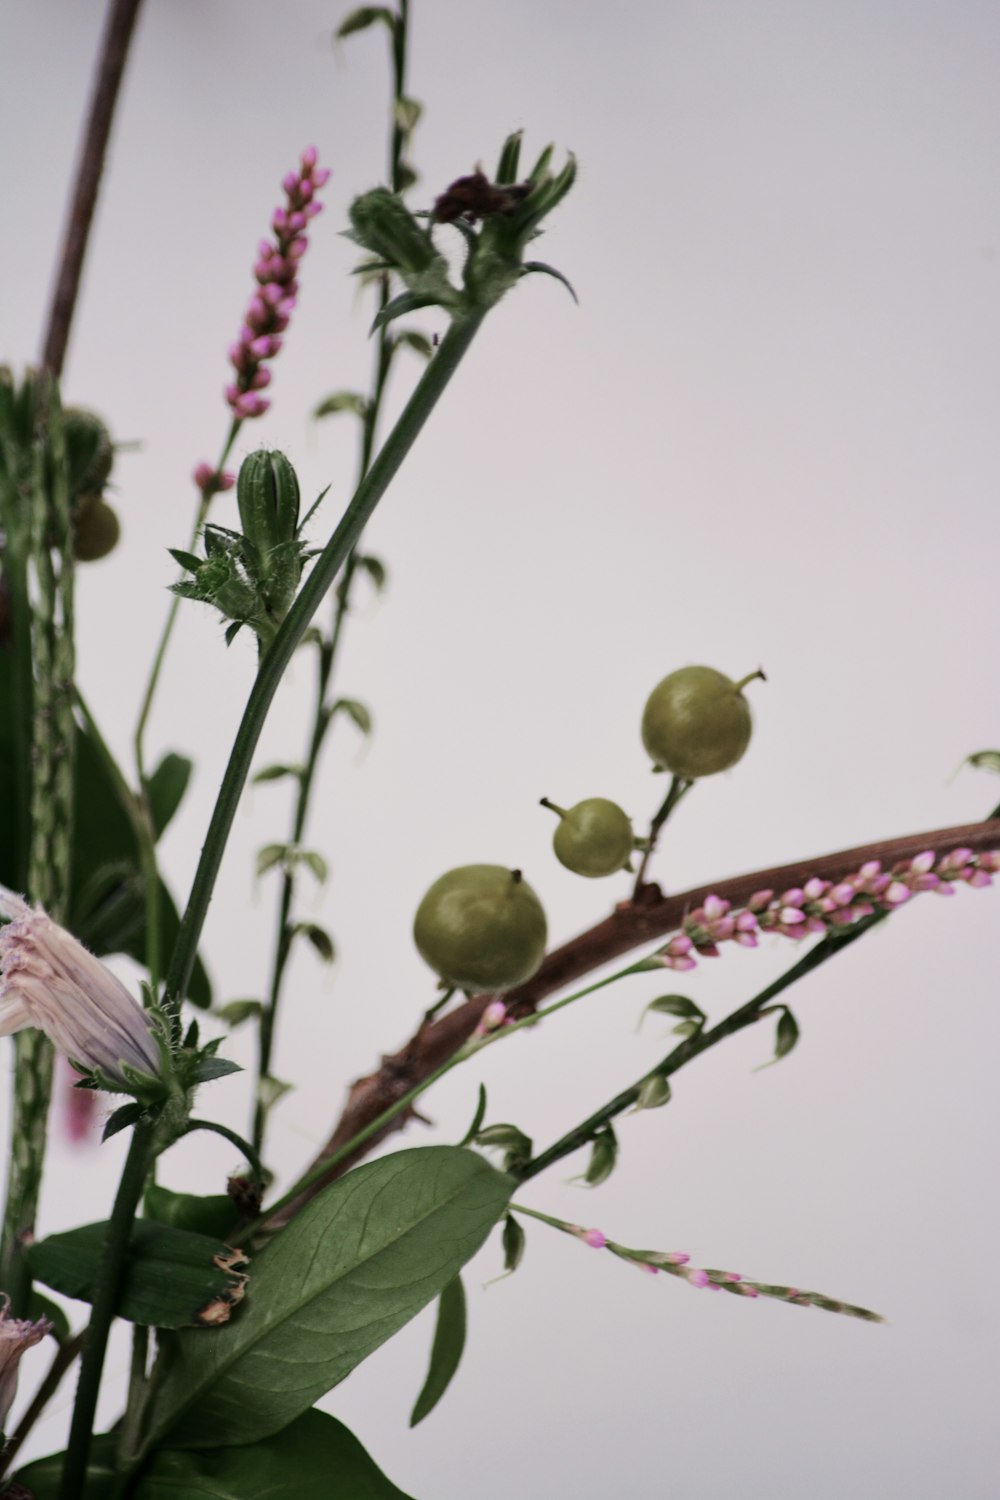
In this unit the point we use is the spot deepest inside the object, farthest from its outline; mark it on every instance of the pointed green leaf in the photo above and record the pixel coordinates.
(375, 568)
(313, 1458)
(271, 855)
(477, 1119)
(446, 1350)
(357, 711)
(315, 862)
(171, 1276)
(235, 1012)
(418, 342)
(275, 773)
(320, 939)
(984, 760)
(344, 1275)
(786, 1036)
(406, 302)
(122, 1118)
(674, 1005)
(514, 1240)
(603, 1157)
(271, 1089)
(540, 266)
(210, 1068)
(406, 113)
(363, 17)
(166, 788)
(654, 1093)
(349, 401)
(510, 158)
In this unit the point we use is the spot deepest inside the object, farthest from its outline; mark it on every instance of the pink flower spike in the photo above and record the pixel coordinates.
(715, 908)
(923, 862)
(594, 1238)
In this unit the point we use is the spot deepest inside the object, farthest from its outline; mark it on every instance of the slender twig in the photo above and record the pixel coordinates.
(61, 1361)
(329, 563)
(244, 1147)
(694, 1046)
(629, 926)
(114, 51)
(679, 788)
(105, 1296)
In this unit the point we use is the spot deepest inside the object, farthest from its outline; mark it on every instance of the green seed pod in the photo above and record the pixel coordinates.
(267, 493)
(95, 531)
(90, 452)
(481, 928)
(594, 837)
(697, 722)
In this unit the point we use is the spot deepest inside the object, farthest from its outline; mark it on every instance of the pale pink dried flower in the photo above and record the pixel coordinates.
(16, 1335)
(49, 980)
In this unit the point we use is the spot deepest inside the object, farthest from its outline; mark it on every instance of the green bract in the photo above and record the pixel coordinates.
(481, 927)
(594, 837)
(697, 722)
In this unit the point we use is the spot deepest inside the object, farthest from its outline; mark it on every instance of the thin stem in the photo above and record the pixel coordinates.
(114, 51)
(106, 1292)
(61, 1361)
(694, 1046)
(325, 570)
(679, 788)
(243, 1146)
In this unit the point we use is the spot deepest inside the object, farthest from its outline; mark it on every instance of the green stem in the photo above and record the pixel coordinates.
(679, 788)
(694, 1046)
(432, 385)
(106, 1292)
(131, 1425)
(243, 1146)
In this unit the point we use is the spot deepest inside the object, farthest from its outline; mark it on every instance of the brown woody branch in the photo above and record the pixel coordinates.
(111, 65)
(650, 916)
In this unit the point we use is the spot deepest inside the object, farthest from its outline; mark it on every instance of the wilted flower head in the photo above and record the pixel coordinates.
(49, 980)
(16, 1335)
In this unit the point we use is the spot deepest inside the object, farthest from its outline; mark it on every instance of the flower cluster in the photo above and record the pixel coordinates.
(677, 1263)
(276, 272)
(819, 906)
(49, 980)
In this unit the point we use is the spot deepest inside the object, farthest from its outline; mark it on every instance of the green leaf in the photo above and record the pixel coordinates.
(271, 855)
(446, 1350)
(122, 1118)
(510, 158)
(315, 862)
(344, 1275)
(314, 1458)
(275, 773)
(786, 1036)
(355, 711)
(536, 266)
(477, 1118)
(654, 1093)
(166, 789)
(349, 401)
(172, 1276)
(603, 1157)
(271, 1089)
(210, 1068)
(212, 1215)
(235, 1012)
(984, 760)
(674, 1005)
(418, 342)
(406, 113)
(365, 16)
(406, 302)
(514, 1240)
(513, 1142)
(320, 939)
(374, 566)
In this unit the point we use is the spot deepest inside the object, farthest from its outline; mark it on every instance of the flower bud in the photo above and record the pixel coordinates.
(267, 493)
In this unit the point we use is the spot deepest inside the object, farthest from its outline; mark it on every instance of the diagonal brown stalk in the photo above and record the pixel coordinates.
(650, 916)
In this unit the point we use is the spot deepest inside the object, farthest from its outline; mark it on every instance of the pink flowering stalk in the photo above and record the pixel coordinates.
(276, 271)
(820, 906)
(49, 980)
(16, 1335)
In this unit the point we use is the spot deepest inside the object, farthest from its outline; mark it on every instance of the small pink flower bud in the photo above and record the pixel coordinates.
(790, 916)
(250, 404)
(923, 862)
(309, 158)
(872, 868)
(321, 177)
(759, 900)
(203, 475)
(896, 894)
(715, 908)
(298, 247)
(594, 1238)
(697, 1277)
(304, 190)
(297, 222)
(279, 221)
(290, 182)
(979, 878)
(260, 378)
(842, 894)
(795, 897)
(650, 1270)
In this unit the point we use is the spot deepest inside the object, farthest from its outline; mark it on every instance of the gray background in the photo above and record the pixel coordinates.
(767, 435)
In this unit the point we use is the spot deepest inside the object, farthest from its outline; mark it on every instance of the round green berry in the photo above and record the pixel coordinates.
(697, 722)
(481, 928)
(594, 837)
(95, 530)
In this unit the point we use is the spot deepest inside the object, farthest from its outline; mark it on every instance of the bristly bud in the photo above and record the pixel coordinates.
(49, 980)
(267, 493)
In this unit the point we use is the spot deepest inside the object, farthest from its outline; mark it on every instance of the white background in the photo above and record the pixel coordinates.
(768, 435)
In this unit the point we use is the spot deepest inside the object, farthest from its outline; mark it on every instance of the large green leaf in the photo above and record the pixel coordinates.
(173, 1278)
(41, 1478)
(315, 1458)
(356, 1264)
(167, 786)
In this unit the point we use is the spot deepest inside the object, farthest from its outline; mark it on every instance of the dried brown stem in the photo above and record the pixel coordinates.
(114, 50)
(650, 916)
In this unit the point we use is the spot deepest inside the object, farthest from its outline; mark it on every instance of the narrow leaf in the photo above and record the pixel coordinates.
(314, 862)
(271, 855)
(406, 113)
(374, 566)
(235, 1012)
(349, 401)
(275, 773)
(514, 1241)
(127, 1115)
(418, 342)
(320, 939)
(172, 1279)
(446, 1350)
(531, 266)
(984, 760)
(673, 1005)
(406, 302)
(363, 17)
(477, 1118)
(603, 1157)
(344, 1275)
(654, 1093)
(215, 1067)
(356, 711)
(786, 1036)
(166, 788)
